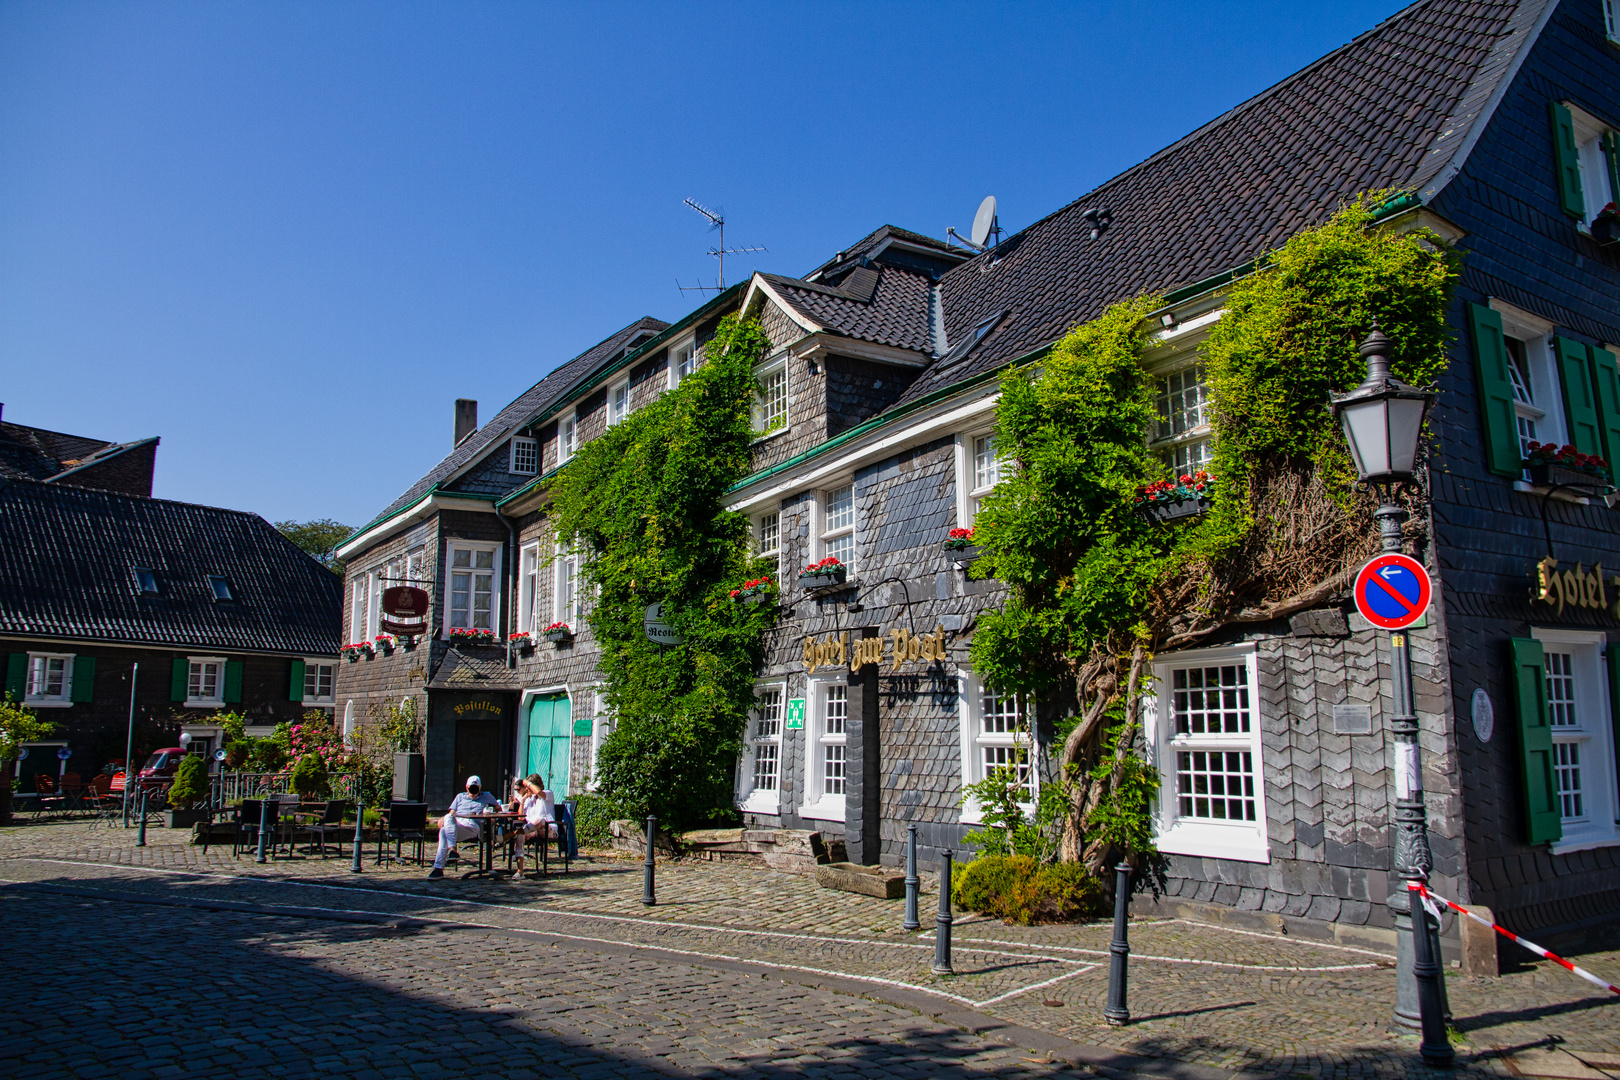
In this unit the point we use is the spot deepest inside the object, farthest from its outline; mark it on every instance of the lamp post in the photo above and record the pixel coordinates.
(1383, 425)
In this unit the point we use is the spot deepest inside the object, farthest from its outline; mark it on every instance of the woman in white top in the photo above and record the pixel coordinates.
(539, 808)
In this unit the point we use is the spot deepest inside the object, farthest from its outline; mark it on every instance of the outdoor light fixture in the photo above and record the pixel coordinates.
(1383, 419)
(185, 738)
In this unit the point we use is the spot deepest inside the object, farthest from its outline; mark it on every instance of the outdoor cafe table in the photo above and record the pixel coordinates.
(486, 844)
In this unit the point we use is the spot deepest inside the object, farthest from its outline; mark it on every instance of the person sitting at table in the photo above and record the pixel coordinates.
(539, 808)
(460, 823)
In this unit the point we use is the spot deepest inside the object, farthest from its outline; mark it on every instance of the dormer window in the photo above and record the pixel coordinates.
(525, 456)
(618, 403)
(221, 588)
(146, 582)
(683, 360)
(771, 398)
(567, 438)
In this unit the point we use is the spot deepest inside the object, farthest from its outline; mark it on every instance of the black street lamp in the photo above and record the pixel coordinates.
(1383, 423)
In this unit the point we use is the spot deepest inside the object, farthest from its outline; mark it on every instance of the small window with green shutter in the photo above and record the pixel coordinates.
(1579, 740)
(205, 683)
(47, 680)
(1580, 403)
(1567, 162)
(1543, 823)
(1589, 175)
(16, 676)
(84, 679)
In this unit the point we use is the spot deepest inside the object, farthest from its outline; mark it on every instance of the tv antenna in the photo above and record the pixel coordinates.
(717, 221)
(986, 227)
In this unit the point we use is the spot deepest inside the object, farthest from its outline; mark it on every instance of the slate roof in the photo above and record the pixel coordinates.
(38, 454)
(523, 409)
(67, 557)
(879, 303)
(1388, 110)
(469, 671)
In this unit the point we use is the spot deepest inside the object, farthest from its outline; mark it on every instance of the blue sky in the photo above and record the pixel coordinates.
(284, 237)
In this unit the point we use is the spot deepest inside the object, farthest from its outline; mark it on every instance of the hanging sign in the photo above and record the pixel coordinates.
(656, 626)
(1574, 588)
(404, 610)
(795, 714)
(1392, 591)
(901, 645)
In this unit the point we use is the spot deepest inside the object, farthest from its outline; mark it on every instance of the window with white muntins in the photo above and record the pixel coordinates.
(318, 681)
(759, 774)
(684, 359)
(618, 403)
(50, 679)
(525, 459)
(837, 533)
(474, 571)
(528, 588)
(1578, 716)
(768, 538)
(1533, 370)
(979, 468)
(359, 606)
(771, 398)
(205, 683)
(566, 594)
(601, 728)
(1203, 727)
(1595, 151)
(996, 735)
(1183, 437)
(826, 757)
(567, 437)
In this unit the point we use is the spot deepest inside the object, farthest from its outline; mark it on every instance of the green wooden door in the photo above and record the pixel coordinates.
(551, 725)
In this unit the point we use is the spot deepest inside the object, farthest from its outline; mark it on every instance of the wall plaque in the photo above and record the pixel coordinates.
(1483, 714)
(1352, 719)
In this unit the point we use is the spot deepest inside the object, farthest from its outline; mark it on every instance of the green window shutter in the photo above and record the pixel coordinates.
(17, 676)
(295, 681)
(1542, 820)
(84, 679)
(1580, 407)
(1606, 381)
(1495, 392)
(233, 680)
(1611, 157)
(1566, 158)
(178, 679)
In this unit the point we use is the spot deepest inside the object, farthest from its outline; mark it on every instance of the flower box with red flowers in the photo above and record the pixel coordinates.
(1188, 495)
(558, 631)
(356, 649)
(756, 591)
(522, 640)
(959, 539)
(828, 571)
(463, 635)
(1606, 225)
(1552, 466)
(386, 643)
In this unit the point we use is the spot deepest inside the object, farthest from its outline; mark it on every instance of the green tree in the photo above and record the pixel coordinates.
(18, 725)
(320, 538)
(190, 782)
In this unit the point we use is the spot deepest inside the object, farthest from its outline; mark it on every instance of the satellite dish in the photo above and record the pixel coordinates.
(984, 221)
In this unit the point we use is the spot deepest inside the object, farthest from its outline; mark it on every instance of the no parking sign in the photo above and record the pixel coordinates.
(1392, 591)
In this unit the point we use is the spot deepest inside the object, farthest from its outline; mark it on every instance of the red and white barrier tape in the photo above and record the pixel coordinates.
(1510, 935)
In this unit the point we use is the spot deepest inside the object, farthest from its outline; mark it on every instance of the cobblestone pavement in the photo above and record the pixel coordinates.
(1206, 1001)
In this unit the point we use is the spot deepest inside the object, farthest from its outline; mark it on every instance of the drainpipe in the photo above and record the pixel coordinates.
(511, 579)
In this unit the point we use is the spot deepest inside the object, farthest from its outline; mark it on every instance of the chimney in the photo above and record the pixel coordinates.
(466, 419)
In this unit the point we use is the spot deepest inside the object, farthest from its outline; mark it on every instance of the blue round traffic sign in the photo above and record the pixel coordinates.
(1392, 591)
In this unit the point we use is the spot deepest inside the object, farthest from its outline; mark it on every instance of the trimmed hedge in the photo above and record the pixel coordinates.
(1019, 889)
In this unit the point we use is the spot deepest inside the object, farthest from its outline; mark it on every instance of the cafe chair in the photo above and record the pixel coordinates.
(406, 821)
(329, 824)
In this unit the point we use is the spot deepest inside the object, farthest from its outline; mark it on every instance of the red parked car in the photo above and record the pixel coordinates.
(158, 772)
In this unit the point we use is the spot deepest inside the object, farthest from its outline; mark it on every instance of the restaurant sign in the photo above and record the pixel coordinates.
(900, 644)
(1577, 588)
(404, 611)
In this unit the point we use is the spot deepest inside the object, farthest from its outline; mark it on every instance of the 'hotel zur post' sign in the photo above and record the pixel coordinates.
(900, 645)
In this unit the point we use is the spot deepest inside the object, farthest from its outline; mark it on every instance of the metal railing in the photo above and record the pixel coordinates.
(233, 787)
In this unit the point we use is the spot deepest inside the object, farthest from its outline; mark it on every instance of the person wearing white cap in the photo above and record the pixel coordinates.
(458, 824)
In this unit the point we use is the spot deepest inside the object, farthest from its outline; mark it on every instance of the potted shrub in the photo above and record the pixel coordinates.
(1552, 466)
(1168, 500)
(188, 795)
(523, 641)
(386, 643)
(1606, 225)
(309, 777)
(959, 546)
(756, 591)
(828, 571)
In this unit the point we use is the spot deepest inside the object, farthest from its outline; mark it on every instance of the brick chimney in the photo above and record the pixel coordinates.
(466, 419)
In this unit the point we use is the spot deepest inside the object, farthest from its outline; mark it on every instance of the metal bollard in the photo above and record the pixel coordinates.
(647, 896)
(359, 826)
(1116, 1012)
(911, 922)
(140, 839)
(942, 921)
(264, 827)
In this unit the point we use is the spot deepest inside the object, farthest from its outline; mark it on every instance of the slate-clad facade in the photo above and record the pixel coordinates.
(877, 404)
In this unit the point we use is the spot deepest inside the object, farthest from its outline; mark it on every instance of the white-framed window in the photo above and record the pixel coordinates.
(771, 398)
(826, 760)
(1537, 399)
(996, 734)
(1203, 729)
(416, 567)
(836, 534)
(525, 459)
(768, 538)
(205, 682)
(1592, 143)
(683, 360)
(601, 728)
(473, 570)
(1609, 23)
(50, 680)
(565, 608)
(618, 402)
(979, 468)
(528, 587)
(759, 773)
(567, 437)
(319, 679)
(380, 580)
(1182, 436)
(359, 606)
(1578, 714)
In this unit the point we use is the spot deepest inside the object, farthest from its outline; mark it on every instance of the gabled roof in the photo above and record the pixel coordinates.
(875, 243)
(38, 454)
(67, 561)
(524, 409)
(1391, 109)
(878, 303)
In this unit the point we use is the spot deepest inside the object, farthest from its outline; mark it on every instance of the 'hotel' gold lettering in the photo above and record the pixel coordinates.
(1574, 588)
(903, 646)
